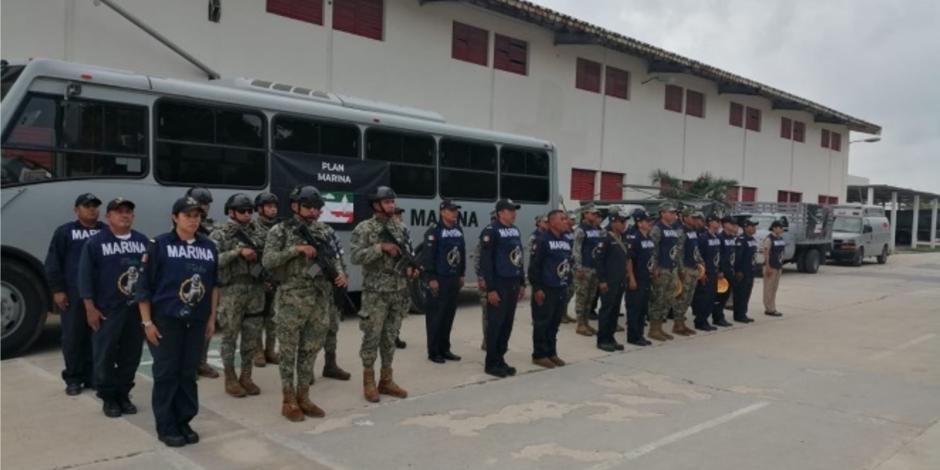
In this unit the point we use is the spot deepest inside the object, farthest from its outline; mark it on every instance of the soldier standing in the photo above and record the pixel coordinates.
(241, 291)
(611, 262)
(728, 238)
(399, 214)
(302, 297)
(639, 278)
(587, 235)
(61, 266)
(689, 270)
(109, 271)
(704, 299)
(330, 368)
(377, 245)
(549, 274)
(665, 264)
(774, 245)
(502, 268)
(744, 257)
(481, 282)
(265, 353)
(204, 198)
(571, 218)
(444, 263)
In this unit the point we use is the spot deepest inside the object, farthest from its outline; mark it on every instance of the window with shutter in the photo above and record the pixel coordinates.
(694, 103)
(736, 115)
(360, 17)
(310, 11)
(824, 142)
(582, 184)
(748, 194)
(835, 141)
(799, 131)
(674, 98)
(752, 116)
(833, 200)
(611, 189)
(783, 196)
(796, 197)
(470, 44)
(732, 194)
(786, 128)
(510, 54)
(617, 83)
(588, 75)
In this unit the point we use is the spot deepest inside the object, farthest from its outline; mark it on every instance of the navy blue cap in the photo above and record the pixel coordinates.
(186, 204)
(776, 224)
(728, 220)
(449, 204)
(504, 204)
(120, 202)
(640, 214)
(748, 223)
(86, 198)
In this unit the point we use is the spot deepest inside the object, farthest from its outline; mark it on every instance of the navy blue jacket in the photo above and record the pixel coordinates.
(777, 245)
(501, 254)
(592, 237)
(744, 256)
(726, 252)
(179, 277)
(444, 253)
(110, 269)
(65, 251)
(642, 250)
(667, 245)
(611, 259)
(709, 246)
(550, 265)
(690, 251)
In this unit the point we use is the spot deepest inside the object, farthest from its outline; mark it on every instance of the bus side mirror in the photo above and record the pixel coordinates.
(866, 229)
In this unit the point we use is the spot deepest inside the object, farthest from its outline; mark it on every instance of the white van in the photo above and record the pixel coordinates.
(859, 232)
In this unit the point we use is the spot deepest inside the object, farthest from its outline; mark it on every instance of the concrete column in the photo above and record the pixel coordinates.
(914, 217)
(894, 218)
(933, 225)
(871, 196)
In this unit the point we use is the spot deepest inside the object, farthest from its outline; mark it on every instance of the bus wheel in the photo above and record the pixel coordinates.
(883, 257)
(811, 261)
(22, 308)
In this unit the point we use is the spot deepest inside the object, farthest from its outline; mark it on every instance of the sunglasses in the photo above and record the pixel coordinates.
(310, 206)
(244, 211)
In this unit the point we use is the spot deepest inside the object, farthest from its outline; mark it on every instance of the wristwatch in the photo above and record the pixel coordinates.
(146, 323)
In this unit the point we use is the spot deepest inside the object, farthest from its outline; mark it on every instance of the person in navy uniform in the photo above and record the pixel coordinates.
(109, 272)
(178, 298)
(744, 257)
(550, 274)
(61, 266)
(704, 299)
(726, 251)
(444, 263)
(642, 250)
(204, 197)
(611, 262)
(501, 264)
(773, 248)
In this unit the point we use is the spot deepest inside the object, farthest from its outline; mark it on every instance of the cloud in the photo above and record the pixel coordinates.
(876, 60)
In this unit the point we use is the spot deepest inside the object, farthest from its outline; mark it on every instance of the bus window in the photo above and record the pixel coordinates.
(212, 146)
(468, 170)
(524, 174)
(411, 158)
(8, 76)
(322, 138)
(56, 139)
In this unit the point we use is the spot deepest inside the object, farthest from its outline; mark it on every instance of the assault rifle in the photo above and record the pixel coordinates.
(408, 259)
(257, 271)
(326, 255)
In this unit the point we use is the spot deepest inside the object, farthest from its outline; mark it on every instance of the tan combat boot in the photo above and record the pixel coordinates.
(544, 362)
(270, 355)
(259, 359)
(245, 381)
(289, 408)
(387, 385)
(565, 318)
(308, 407)
(232, 387)
(583, 328)
(333, 370)
(656, 331)
(557, 361)
(678, 327)
(368, 386)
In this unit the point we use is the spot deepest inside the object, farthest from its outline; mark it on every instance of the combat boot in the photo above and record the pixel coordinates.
(656, 331)
(368, 385)
(387, 385)
(565, 318)
(308, 407)
(583, 328)
(332, 370)
(271, 356)
(245, 381)
(290, 409)
(679, 328)
(232, 387)
(259, 359)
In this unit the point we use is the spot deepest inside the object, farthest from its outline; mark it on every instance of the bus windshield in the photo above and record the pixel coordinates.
(847, 224)
(8, 76)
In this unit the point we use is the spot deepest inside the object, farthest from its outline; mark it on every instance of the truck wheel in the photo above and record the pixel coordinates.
(883, 257)
(23, 308)
(859, 256)
(801, 262)
(811, 261)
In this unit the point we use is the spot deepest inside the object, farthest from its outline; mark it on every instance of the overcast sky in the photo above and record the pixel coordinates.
(875, 60)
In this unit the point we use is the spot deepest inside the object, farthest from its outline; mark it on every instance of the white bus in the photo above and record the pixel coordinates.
(71, 128)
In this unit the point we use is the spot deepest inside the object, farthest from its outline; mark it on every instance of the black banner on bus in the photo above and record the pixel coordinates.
(343, 182)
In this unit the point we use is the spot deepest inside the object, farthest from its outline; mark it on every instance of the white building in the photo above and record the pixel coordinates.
(616, 108)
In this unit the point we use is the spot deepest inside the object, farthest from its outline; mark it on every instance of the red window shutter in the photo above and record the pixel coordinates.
(748, 194)
(835, 141)
(310, 11)
(799, 131)
(588, 75)
(611, 189)
(617, 83)
(783, 196)
(825, 139)
(361, 17)
(732, 195)
(510, 54)
(694, 103)
(786, 128)
(823, 199)
(674, 98)
(753, 119)
(470, 44)
(796, 197)
(736, 115)
(833, 199)
(582, 184)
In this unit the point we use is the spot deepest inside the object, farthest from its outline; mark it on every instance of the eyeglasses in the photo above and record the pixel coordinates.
(244, 211)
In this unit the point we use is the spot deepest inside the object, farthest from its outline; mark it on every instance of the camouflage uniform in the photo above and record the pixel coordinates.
(241, 296)
(385, 299)
(336, 314)
(301, 302)
(663, 296)
(586, 282)
(689, 278)
(263, 225)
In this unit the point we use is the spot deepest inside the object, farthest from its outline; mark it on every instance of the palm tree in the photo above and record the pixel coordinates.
(706, 186)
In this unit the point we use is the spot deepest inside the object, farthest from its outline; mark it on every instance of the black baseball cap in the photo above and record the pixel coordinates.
(186, 204)
(640, 215)
(504, 204)
(776, 224)
(728, 220)
(120, 202)
(713, 218)
(449, 204)
(87, 198)
(749, 223)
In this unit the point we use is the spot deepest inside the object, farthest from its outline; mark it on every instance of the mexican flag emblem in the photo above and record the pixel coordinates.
(338, 208)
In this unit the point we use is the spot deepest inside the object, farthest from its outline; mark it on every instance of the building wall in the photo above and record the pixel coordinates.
(412, 66)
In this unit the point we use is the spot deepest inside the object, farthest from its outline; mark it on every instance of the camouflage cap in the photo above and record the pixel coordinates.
(590, 207)
(617, 213)
(667, 207)
(540, 219)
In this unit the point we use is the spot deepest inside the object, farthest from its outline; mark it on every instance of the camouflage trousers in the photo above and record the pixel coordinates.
(329, 344)
(268, 327)
(585, 291)
(689, 279)
(382, 313)
(302, 322)
(239, 314)
(663, 296)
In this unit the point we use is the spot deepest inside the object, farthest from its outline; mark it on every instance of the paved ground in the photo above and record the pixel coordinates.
(848, 379)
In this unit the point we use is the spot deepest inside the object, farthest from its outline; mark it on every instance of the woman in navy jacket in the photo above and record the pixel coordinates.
(178, 298)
